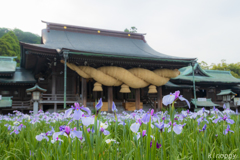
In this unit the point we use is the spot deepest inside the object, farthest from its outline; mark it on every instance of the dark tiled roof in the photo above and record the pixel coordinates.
(94, 42)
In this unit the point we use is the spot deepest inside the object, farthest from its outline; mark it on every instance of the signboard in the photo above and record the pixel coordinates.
(202, 99)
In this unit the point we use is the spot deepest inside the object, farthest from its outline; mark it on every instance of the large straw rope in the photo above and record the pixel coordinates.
(134, 78)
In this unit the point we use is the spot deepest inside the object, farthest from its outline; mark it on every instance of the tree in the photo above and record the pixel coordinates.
(233, 67)
(3, 31)
(204, 65)
(9, 45)
(27, 37)
(131, 30)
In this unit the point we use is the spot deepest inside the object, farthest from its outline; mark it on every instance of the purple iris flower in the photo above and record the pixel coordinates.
(86, 121)
(203, 129)
(177, 128)
(145, 119)
(61, 128)
(99, 104)
(158, 145)
(42, 136)
(135, 127)
(21, 126)
(77, 112)
(151, 144)
(102, 129)
(228, 130)
(14, 131)
(49, 133)
(224, 117)
(228, 120)
(224, 106)
(139, 121)
(9, 127)
(177, 94)
(152, 111)
(114, 108)
(106, 132)
(68, 132)
(88, 130)
(144, 133)
(86, 109)
(169, 99)
(160, 126)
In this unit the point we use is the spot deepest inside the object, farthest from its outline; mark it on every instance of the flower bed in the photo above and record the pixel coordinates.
(77, 134)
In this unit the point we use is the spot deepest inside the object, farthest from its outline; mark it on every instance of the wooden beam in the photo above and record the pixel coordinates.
(137, 98)
(110, 98)
(159, 98)
(84, 92)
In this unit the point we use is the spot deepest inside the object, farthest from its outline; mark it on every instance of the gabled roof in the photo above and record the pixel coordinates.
(206, 76)
(7, 65)
(172, 85)
(21, 75)
(99, 42)
(226, 92)
(36, 88)
(207, 103)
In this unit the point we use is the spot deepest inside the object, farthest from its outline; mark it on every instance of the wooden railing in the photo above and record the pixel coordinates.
(21, 104)
(58, 98)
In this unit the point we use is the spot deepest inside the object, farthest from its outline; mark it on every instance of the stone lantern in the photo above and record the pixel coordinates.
(36, 96)
(227, 95)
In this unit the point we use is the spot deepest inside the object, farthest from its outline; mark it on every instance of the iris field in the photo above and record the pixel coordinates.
(79, 134)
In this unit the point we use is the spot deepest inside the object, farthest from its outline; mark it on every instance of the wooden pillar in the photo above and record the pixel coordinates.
(74, 82)
(54, 87)
(78, 81)
(110, 98)
(159, 98)
(84, 92)
(137, 98)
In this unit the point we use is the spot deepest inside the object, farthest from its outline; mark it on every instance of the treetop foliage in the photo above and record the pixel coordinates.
(9, 45)
(27, 37)
(233, 67)
(9, 41)
(131, 30)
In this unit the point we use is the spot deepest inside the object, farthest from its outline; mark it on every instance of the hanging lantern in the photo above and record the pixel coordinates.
(125, 89)
(152, 89)
(97, 87)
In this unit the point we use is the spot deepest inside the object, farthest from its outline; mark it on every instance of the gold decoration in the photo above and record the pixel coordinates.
(129, 35)
(97, 87)
(125, 89)
(152, 89)
(65, 27)
(99, 31)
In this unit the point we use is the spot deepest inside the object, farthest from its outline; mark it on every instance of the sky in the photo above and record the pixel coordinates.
(208, 30)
